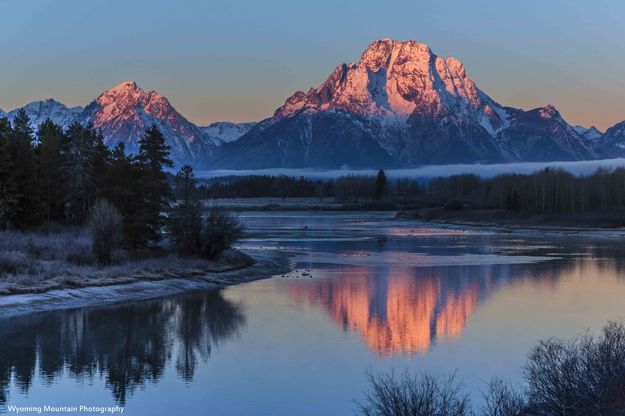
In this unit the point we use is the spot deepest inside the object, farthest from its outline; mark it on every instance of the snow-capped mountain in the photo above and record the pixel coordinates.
(542, 134)
(225, 131)
(612, 142)
(40, 111)
(590, 134)
(122, 114)
(401, 105)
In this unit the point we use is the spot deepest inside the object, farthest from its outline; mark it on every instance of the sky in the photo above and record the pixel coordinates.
(239, 60)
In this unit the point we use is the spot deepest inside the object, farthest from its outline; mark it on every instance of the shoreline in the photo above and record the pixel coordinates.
(266, 264)
(518, 228)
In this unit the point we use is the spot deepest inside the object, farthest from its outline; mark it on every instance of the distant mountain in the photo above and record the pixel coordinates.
(401, 105)
(122, 114)
(590, 134)
(542, 135)
(225, 131)
(40, 111)
(612, 142)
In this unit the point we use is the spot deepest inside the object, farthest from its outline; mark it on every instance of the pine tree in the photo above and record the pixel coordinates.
(22, 153)
(122, 187)
(8, 187)
(185, 220)
(381, 183)
(101, 162)
(79, 173)
(51, 139)
(153, 158)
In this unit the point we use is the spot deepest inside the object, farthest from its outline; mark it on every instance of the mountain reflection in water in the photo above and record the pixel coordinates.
(126, 345)
(403, 310)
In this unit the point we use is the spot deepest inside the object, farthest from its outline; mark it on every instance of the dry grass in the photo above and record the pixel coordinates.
(56, 258)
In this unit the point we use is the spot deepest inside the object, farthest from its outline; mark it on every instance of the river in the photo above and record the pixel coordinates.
(367, 293)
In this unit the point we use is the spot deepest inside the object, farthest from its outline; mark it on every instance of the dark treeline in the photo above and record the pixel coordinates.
(266, 186)
(53, 175)
(550, 191)
(71, 177)
(349, 188)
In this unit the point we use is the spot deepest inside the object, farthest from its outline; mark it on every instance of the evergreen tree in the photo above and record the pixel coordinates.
(78, 173)
(50, 166)
(121, 186)
(185, 220)
(22, 153)
(381, 183)
(101, 161)
(8, 187)
(153, 158)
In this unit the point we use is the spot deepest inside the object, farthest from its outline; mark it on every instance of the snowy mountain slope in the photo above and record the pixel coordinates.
(612, 142)
(412, 105)
(40, 111)
(225, 132)
(122, 114)
(542, 134)
(590, 134)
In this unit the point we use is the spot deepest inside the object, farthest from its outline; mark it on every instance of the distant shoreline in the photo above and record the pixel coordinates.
(595, 224)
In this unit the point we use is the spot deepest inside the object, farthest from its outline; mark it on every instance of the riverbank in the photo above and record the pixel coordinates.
(508, 220)
(55, 267)
(148, 285)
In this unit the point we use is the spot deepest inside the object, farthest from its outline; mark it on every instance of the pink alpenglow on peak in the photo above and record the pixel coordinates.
(123, 113)
(395, 78)
(401, 105)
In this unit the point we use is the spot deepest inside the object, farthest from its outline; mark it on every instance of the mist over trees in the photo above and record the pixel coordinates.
(549, 191)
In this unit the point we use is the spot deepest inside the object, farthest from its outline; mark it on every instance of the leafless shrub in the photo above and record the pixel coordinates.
(221, 229)
(105, 223)
(420, 395)
(585, 376)
(502, 399)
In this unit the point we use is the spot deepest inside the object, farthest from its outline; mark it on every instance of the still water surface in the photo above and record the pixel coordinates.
(367, 293)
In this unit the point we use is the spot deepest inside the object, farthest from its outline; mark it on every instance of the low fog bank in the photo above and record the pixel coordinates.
(585, 167)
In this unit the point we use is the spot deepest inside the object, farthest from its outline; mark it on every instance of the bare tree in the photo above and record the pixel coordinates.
(105, 224)
(426, 394)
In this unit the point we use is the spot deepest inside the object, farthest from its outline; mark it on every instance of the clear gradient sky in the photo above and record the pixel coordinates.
(239, 59)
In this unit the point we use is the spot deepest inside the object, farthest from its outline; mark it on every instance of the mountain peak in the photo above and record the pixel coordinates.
(125, 85)
(549, 111)
(385, 52)
(400, 79)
